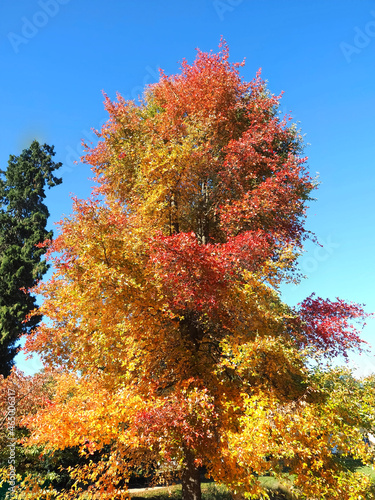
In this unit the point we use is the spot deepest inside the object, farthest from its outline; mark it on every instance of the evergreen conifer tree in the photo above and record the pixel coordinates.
(23, 220)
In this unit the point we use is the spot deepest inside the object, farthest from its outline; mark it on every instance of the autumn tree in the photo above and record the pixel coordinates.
(165, 311)
(23, 220)
(21, 396)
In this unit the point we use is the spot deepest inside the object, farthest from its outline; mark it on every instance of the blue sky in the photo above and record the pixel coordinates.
(58, 55)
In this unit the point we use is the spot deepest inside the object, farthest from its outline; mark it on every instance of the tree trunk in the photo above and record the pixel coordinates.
(190, 479)
(174, 225)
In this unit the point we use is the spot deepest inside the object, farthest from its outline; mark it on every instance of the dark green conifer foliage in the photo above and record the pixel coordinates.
(23, 220)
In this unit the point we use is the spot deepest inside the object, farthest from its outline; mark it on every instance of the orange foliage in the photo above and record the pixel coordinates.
(164, 307)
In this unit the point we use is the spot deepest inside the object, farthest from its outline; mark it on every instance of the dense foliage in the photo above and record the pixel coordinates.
(23, 220)
(164, 308)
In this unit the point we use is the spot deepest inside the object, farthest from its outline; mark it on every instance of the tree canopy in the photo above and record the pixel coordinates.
(165, 309)
(23, 220)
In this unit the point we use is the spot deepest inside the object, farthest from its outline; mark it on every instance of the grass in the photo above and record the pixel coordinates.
(210, 491)
(356, 466)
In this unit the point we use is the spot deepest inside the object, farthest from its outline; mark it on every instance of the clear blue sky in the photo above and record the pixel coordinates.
(58, 55)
